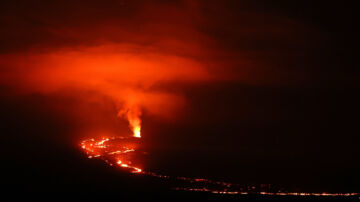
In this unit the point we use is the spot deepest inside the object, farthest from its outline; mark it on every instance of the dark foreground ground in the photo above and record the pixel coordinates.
(74, 177)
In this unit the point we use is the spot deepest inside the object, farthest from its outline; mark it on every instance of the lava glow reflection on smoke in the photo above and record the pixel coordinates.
(122, 152)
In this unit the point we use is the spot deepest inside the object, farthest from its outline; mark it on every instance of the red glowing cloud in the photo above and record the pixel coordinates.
(127, 50)
(124, 73)
(118, 56)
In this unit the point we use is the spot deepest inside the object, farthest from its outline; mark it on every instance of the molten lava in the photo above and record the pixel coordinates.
(122, 151)
(114, 151)
(137, 132)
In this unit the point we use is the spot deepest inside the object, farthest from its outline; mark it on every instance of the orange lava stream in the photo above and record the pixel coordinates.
(111, 153)
(120, 151)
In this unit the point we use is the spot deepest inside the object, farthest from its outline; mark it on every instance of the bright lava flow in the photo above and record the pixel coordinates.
(122, 152)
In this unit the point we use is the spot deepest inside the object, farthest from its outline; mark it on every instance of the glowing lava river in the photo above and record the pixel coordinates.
(122, 152)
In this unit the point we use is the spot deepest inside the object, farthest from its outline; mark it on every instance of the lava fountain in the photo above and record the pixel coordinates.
(132, 113)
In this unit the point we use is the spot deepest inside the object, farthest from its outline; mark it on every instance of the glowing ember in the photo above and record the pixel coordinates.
(121, 151)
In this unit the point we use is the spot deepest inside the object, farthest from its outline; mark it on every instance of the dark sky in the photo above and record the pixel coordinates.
(247, 91)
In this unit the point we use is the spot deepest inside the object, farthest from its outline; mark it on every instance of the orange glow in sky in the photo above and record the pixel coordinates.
(125, 73)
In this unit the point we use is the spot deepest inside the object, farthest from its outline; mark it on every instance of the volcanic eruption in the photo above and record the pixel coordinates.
(222, 91)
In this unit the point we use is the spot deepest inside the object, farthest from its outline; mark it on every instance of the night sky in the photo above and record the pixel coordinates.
(244, 91)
